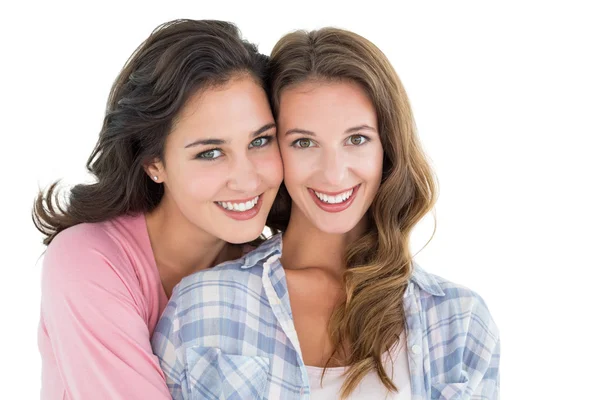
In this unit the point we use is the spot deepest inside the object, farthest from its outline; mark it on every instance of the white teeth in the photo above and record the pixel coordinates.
(238, 206)
(339, 198)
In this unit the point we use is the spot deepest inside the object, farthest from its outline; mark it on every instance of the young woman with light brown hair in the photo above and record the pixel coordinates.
(334, 306)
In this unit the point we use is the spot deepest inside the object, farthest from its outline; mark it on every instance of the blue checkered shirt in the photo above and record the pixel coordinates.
(228, 333)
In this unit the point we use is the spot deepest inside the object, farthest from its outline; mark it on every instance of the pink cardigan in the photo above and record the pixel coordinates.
(101, 299)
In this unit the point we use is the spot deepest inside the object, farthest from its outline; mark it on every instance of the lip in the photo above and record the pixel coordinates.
(243, 215)
(334, 208)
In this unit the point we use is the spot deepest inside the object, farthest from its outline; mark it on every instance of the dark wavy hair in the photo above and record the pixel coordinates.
(379, 263)
(177, 59)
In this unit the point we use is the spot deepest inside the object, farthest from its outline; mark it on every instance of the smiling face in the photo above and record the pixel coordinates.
(331, 152)
(221, 168)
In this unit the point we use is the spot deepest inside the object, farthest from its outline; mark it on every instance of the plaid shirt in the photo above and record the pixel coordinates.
(228, 333)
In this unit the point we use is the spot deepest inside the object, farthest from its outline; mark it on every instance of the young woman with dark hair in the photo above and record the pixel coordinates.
(185, 171)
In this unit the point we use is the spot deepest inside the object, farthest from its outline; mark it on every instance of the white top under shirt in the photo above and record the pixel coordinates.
(370, 386)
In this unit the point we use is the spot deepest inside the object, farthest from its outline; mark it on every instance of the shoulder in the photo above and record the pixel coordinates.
(77, 246)
(240, 270)
(88, 254)
(459, 328)
(241, 277)
(453, 306)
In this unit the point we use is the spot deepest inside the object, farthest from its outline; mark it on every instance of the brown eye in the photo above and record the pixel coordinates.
(356, 140)
(302, 143)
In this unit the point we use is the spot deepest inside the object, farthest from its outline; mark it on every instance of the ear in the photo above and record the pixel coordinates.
(155, 170)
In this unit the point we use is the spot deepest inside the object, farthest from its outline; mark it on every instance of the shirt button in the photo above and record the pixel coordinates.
(416, 349)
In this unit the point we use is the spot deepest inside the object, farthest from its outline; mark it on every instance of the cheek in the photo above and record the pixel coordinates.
(295, 166)
(367, 166)
(270, 167)
(291, 177)
(372, 169)
(200, 182)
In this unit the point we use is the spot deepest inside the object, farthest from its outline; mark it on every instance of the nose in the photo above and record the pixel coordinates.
(334, 168)
(243, 176)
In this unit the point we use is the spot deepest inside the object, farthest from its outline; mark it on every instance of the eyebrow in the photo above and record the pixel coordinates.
(264, 129)
(205, 142)
(347, 131)
(300, 132)
(214, 141)
(360, 128)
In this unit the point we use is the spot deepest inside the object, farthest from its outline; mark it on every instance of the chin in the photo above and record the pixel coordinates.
(239, 237)
(335, 229)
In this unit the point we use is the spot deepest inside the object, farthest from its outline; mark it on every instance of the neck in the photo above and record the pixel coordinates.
(181, 248)
(305, 246)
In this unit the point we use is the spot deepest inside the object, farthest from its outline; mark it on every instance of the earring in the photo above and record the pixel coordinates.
(155, 178)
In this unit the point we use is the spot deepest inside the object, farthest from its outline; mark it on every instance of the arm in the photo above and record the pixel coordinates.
(165, 343)
(489, 387)
(482, 353)
(93, 317)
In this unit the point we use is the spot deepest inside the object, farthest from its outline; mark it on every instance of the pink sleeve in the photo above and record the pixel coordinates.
(94, 317)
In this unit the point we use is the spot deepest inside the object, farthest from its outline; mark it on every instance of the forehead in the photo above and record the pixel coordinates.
(239, 105)
(343, 103)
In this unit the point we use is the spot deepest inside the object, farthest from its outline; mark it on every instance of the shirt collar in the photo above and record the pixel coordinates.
(262, 253)
(426, 281)
(273, 245)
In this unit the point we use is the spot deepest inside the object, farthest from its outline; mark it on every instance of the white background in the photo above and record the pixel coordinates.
(507, 102)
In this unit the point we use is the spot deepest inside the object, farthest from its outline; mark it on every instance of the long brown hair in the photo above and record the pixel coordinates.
(177, 59)
(378, 263)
